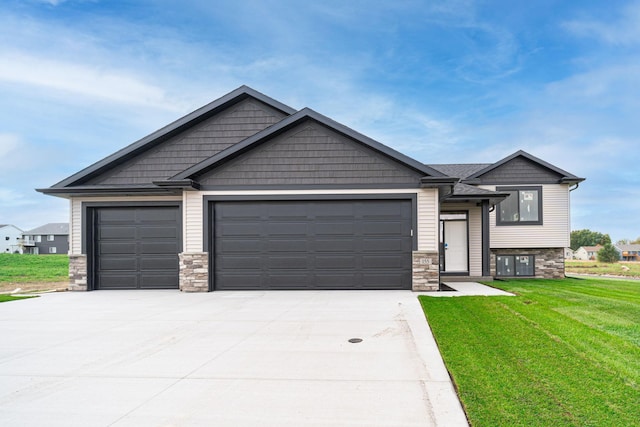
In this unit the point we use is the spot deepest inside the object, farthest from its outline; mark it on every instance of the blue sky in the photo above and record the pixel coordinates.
(441, 81)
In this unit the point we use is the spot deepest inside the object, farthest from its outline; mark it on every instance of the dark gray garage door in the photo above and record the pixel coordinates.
(313, 244)
(136, 248)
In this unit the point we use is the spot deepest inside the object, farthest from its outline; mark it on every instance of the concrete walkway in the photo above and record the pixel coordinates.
(469, 289)
(165, 358)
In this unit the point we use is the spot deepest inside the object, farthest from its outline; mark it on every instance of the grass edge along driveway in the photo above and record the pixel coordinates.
(562, 352)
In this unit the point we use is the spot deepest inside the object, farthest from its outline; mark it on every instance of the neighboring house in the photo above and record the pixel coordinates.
(587, 253)
(10, 239)
(568, 253)
(629, 252)
(248, 193)
(52, 238)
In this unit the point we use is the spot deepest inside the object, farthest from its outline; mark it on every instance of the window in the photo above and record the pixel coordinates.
(522, 207)
(515, 265)
(52, 250)
(37, 238)
(50, 238)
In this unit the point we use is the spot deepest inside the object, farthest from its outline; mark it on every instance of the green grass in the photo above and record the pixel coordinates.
(16, 268)
(562, 352)
(5, 298)
(626, 269)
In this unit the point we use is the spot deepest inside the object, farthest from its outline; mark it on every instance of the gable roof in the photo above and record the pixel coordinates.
(172, 129)
(55, 228)
(566, 177)
(286, 124)
(591, 248)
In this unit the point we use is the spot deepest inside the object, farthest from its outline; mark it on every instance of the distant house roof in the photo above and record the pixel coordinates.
(627, 248)
(54, 228)
(10, 225)
(592, 248)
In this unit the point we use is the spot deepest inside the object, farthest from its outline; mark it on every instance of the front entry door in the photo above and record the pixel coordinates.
(454, 243)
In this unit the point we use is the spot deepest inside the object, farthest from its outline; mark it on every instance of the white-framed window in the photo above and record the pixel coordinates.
(53, 250)
(37, 239)
(50, 238)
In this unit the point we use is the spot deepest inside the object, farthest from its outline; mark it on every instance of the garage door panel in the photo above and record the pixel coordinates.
(116, 232)
(336, 262)
(240, 262)
(151, 247)
(336, 244)
(380, 228)
(157, 232)
(384, 245)
(117, 264)
(292, 262)
(240, 229)
(286, 211)
(114, 216)
(160, 264)
(168, 215)
(118, 281)
(289, 245)
(110, 248)
(287, 229)
(312, 244)
(342, 280)
(379, 262)
(335, 228)
(239, 245)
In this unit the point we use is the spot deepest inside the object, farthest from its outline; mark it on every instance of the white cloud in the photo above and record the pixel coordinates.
(625, 30)
(8, 143)
(81, 79)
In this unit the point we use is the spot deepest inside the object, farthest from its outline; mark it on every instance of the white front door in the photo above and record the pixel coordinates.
(455, 246)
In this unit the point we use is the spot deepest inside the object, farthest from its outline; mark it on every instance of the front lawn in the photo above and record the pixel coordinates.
(627, 269)
(562, 352)
(5, 298)
(19, 268)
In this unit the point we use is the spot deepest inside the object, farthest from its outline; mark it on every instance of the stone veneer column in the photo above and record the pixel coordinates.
(194, 271)
(426, 271)
(78, 272)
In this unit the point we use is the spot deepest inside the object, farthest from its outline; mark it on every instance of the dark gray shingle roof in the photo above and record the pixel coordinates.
(460, 170)
(55, 228)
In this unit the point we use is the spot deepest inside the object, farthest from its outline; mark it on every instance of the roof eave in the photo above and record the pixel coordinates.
(67, 192)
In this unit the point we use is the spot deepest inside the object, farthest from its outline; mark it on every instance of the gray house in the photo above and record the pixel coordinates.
(248, 193)
(51, 238)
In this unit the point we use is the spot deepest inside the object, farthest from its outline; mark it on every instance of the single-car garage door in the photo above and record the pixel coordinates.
(136, 247)
(336, 244)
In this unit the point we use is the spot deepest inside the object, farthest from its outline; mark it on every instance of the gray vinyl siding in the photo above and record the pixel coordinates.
(60, 242)
(198, 143)
(310, 154)
(520, 171)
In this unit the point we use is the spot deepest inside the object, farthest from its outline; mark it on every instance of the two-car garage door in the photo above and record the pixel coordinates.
(325, 244)
(259, 245)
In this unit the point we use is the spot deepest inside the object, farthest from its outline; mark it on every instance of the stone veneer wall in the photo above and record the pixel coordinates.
(78, 272)
(194, 272)
(426, 271)
(549, 261)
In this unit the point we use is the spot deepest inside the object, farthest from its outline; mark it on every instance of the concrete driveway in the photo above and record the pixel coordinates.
(165, 358)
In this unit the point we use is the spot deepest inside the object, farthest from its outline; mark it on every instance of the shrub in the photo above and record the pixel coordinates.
(608, 254)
